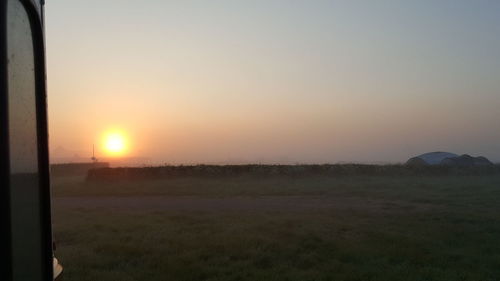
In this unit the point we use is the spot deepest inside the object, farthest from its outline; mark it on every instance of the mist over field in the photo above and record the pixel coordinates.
(356, 223)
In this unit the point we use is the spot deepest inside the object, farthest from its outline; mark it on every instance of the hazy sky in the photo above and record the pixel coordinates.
(276, 81)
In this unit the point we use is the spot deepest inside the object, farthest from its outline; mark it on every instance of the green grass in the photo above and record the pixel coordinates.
(376, 228)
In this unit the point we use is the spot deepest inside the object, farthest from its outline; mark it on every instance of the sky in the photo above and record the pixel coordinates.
(273, 81)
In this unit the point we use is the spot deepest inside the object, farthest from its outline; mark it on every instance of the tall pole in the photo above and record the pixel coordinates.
(93, 154)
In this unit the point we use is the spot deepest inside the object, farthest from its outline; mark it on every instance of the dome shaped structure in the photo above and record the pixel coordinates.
(447, 158)
(431, 158)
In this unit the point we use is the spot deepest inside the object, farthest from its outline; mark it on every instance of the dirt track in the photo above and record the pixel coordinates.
(268, 203)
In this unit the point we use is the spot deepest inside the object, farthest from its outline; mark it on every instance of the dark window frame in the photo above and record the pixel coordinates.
(34, 9)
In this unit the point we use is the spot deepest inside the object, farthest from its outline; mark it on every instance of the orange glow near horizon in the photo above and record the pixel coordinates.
(115, 143)
(309, 82)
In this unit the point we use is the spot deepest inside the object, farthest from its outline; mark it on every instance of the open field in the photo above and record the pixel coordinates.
(280, 228)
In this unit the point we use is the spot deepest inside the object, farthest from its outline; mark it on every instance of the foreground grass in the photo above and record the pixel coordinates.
(419, 228)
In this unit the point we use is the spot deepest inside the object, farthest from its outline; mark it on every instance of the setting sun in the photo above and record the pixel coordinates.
(115, 143)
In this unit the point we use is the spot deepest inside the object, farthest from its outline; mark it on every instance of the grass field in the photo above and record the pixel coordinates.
(279, 228)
